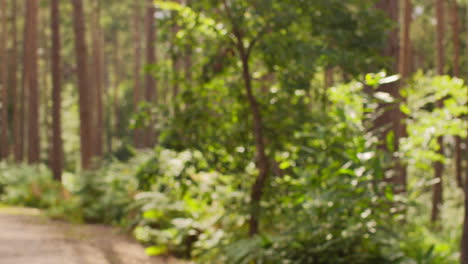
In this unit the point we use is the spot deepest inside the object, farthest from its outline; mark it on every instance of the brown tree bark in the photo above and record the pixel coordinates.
(456, 73)
(464, 240)
(262, 161)
(45, 121)
(137, 89)
(328, 82)
(405, 50)
(188, 50)
(391, 50)
(261, 157)
(17, 99)
(57, 144)
(437, 196)
(4, 122)
(83, 82)
(32, 14)
(463, 183)
(115, 96)
(24, 93)
(97, 81)
(390, 118)
(150, 81)
(404, 68)
(176, 62)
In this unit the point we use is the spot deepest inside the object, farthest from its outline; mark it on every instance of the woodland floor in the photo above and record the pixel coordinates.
(27, 237)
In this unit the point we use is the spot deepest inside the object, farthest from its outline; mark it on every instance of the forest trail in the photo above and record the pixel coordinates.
(27, 237)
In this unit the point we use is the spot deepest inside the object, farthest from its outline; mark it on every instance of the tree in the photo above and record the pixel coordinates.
(150, 81)
(57, 145)
(16, 92)
(97, 81)
(4, 133)
(437, 197)
(244, 49)
(176, 62)
(391, 113)
(137, 89)
(404, 68)
(456, 73)
(83, 85)
(32, 13)
(458, 140)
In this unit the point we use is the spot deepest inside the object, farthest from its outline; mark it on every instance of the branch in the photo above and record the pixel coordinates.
(235, 27)
(256, 39)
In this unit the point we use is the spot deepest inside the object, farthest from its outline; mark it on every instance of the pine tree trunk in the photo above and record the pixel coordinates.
(24, 91)
(98, 81)
(175, 59)
(390, 112)
(456, 73)
(464, 239)
(57, 145)
(437, 197)
(83, 89)
(17, 99)
(463, 183)
(117, 74)
(151, 89)
(404, 70)
(137, 89)
(32, 15)
(328, 82)
(4, 123)
(188, 58)
(45, 128)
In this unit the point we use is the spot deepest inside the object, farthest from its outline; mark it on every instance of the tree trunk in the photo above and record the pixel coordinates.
(150, 93)
(84, 92)
(175, 59)
(137, 89)
(188, 50)
(117, 73)
(45, 128)
(328, 82)
(57, 145)
(257, 129)
(390, 119)
(98, 81)
(17, 99)
(464, 240)
(24, 91)
(32, 12)
(404, 70)
(437, 197)
(391, 50)
(4, 124)
(456, 73)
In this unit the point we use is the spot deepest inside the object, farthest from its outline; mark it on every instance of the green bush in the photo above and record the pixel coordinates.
(34, 186)
(106, 195)
(28, 185)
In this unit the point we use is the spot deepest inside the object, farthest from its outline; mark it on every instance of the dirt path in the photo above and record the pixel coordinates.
(26, 237)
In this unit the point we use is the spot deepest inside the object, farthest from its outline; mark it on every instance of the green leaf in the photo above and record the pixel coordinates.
(156, 250)
(152, 214)
(284, 165)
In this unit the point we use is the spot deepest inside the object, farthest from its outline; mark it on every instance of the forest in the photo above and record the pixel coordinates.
(241, 131)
